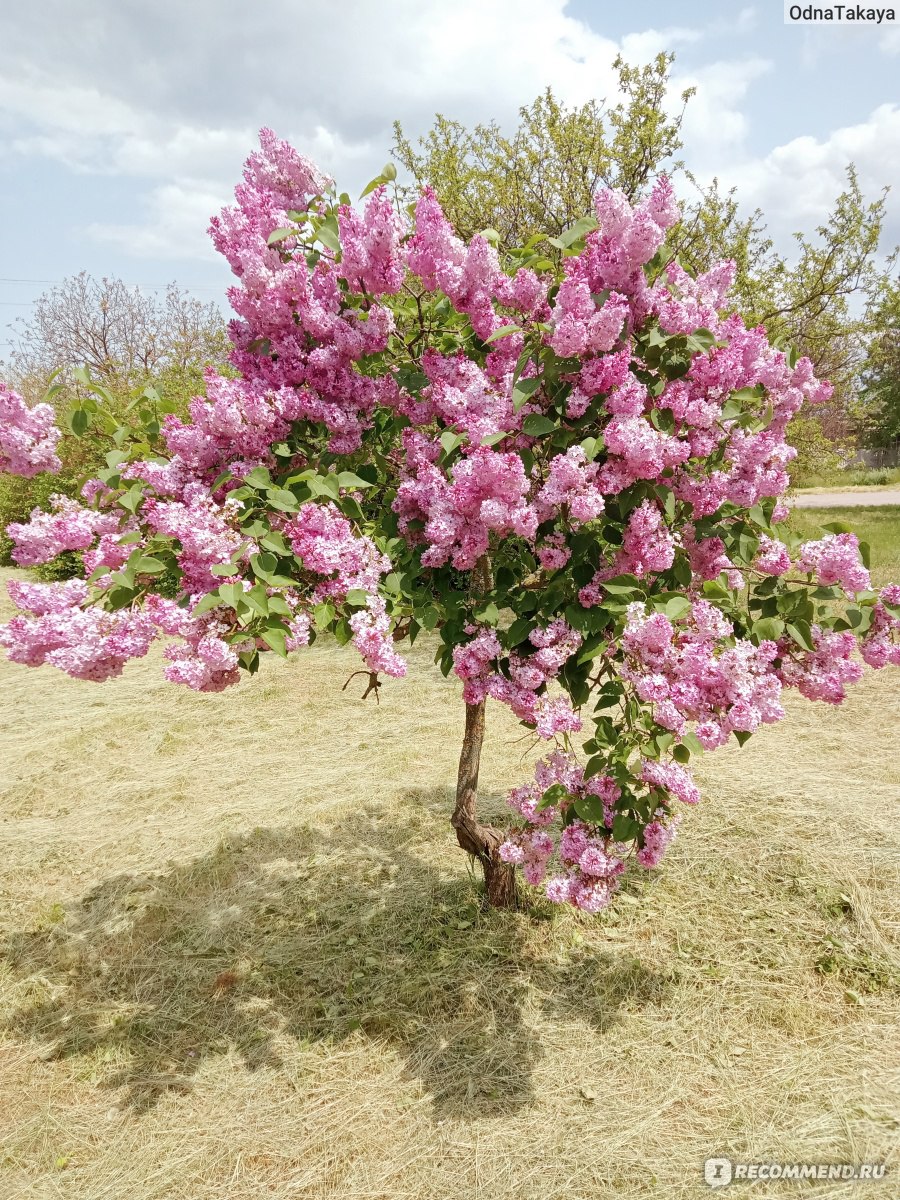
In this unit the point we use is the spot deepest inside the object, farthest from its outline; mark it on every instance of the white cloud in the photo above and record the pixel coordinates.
(795, 184)
(642, 47)
(174, 227)
(715, 125)
(169, 96)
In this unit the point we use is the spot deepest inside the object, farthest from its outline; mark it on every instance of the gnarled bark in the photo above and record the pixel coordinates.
(482, 841)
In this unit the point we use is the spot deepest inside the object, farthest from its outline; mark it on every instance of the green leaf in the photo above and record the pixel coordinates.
(837, 527)
(79, 420)
(284, 500)
(280, 235)
(677, 607)
(210, 600)
(323, 615)
(263, 565)
(518, 632)
(590, 808)
(489, 615)
(553, 795)
(342, 632)
(624, 828)
(147, 565)
(231, 593)
(275, 639)
(257, 600)
(388, 173)
(591, 648)
(493, 438)
(621, 585)
(502, 332)
(226, 569)
(748, 394)
(865, 553)
(701, 340)
(594, 766)
(430, 617)
(692, 743)
(536, 425)
(451, 441)
(132, 498)
(328, 233)
(681, 753)
(768, 629)
(523, 390)
(349, 479)
(576, 231)
(276, 541)
(259, 477)
(280, 606)
(357, 596)
(802, 635)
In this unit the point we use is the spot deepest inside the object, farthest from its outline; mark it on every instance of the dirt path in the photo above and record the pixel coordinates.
(846, 499)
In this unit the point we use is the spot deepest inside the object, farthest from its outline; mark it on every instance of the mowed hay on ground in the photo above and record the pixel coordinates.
(242, 956)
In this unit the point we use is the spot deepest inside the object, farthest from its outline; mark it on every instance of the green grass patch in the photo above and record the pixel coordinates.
(877, 525)
(854, 477)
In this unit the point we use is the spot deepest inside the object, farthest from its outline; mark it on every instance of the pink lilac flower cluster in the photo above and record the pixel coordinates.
(685, 305)
(68, 526)
(773, 557)
(824, 672)
(881, 645)
(486, 495)
(612, 262)
(835, 559)
(462, 396)
(28, 436)
(571, 485)
(200, 658)
(372, 257)
(648, 547)
(202, 529)
(672, 778)
(294, 335)
(85, 642)
(695, 670)
(476, 662)
(591, 860)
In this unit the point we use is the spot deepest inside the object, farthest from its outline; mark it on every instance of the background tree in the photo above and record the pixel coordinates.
(879, 410)
(127, 342)
(544, 176)
(125, 337)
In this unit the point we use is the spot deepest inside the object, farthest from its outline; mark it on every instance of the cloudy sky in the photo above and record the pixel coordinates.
(123, 125)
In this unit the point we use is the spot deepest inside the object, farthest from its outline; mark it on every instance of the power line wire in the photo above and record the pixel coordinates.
(153, 287)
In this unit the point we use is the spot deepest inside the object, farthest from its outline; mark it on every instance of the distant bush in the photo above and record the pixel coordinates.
(850, 477)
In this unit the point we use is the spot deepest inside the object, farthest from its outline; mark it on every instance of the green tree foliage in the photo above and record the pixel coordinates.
(879, 408)
(124, 337)
(543, 177)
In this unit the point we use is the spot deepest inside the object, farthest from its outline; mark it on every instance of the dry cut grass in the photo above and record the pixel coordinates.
(242, 956)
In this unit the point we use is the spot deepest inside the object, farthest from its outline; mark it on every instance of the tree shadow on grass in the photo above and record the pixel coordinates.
(294, 934)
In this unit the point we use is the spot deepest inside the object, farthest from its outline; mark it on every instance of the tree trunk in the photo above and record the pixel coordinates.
(482, 841)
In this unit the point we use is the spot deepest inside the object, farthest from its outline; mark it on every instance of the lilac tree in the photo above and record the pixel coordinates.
(567, 466)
